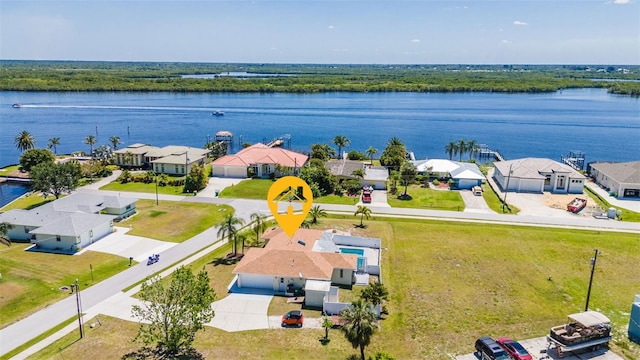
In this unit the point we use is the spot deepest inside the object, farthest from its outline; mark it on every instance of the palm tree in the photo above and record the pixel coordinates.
(242, 237)
(259, 224)
(25, 141)
(4, 230)
(370, 152)
(358, 173)
(408, 173)
(90, 140)
(450, 149)
(341, 141)
(359, 324)
(127, 158)
(462, 148)
(472, 146)
(363, 211)
(53, 143)
(115, 141)
(315, 213)
(228, 228)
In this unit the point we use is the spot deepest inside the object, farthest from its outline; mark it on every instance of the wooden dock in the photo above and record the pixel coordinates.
(486, 152)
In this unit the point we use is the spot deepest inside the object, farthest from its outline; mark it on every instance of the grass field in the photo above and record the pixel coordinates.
(449, 283)
(144, 188)
(248, 189)
(494, 202)
(335, 199)
(31, 281)
(28, 202)
(174, 221)
(627, 215)
(424, 198)
(9, 169)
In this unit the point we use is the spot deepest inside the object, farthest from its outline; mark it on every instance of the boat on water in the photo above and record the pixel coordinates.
(217, 113)
(576, 205)
(16, 105)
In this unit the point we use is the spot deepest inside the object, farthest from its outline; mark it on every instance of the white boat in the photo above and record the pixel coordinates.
(16, 105)
(217, 113)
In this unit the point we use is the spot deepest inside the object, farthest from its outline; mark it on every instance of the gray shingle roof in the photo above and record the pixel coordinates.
(73, 224)
(530, 168)
(624, 172)
(343, 168)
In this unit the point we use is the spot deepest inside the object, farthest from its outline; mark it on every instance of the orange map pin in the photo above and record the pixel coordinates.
(290, 189)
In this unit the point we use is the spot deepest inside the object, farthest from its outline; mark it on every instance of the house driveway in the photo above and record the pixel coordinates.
(240, 312)
(216, 185)
(121, 244)
(473, 203)
(378, 199)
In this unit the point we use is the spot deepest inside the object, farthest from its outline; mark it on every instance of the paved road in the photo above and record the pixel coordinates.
(22, 331)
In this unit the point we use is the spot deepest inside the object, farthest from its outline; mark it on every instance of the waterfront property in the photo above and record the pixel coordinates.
(68, 224)
(621, 179)
(464, 175)
(374, 176)
(538, 175)
(311, 260)
(171, 159)
(260, 160)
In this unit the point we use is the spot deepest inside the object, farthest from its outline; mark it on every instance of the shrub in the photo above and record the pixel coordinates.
(436, 182)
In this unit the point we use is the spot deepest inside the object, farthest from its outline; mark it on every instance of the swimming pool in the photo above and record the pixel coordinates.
(359, 252)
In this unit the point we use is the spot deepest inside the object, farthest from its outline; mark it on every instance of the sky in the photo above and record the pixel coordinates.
(324, 31)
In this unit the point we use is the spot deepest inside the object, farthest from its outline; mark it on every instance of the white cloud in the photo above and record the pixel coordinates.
(505, 42)
(331, 27)
(414, 41)
(520, 23)
(621, 1)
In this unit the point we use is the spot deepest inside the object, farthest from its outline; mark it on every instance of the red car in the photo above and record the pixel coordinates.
(514, 349)
(293, 318)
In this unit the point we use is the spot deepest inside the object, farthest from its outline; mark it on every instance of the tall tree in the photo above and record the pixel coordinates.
(374, 293)
(90, 140)
(462, 148)
(173, 312)
(259, 224)
(322, 151)
(371, 151)
(316, 212)
(53, 143)
(358, 173)
(359, 324)
(229, 228)
(341, 141)
(408, 173)
(25, 141)
(472, 147)
(115, 141)
(55, 179)
(394, 154)
(450, 149)
(196, 180)
(363, 211)
(4, 231)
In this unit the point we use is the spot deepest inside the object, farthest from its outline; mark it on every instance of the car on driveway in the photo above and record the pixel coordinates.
(514, 349)
(293, 318)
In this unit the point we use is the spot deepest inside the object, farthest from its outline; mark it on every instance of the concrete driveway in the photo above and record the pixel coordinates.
(121, 244)
(473, 203)
(216, 184)
(378, 199)
(240, 312)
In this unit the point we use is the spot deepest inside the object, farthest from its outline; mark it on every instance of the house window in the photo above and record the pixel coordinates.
(162, 166)
(341, 273)
(58, 238)
(175, 169)
(26, 230)
(547, 179)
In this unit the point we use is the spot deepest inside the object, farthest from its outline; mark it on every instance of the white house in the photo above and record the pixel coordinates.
(621, 179)
(133, 155)
(68, 224)
(260, 159)
(537, 175)
(464, 175)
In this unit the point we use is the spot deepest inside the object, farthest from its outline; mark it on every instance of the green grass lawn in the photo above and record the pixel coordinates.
(31, 281)
(9, 169)
(494, 202)
(335, 199)
(248, 189)
(627, 215)
(174, 221)
(424, 198)
(449, 283)
(144, 188)
(28, 201)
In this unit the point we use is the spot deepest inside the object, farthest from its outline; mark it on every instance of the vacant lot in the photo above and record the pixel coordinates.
(31, 281)
(449, 284)
(425, 198)
(174, 221)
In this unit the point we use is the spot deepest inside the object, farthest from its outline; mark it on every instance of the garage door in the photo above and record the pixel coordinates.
(467, 183)
(236, 172)
(255, 281)
(530, 185)
(218, 171)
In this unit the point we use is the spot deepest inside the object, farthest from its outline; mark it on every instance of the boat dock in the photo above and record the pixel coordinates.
(575, 159)
(484, 151)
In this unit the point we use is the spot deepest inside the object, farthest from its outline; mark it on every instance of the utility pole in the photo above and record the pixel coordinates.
(79, 307)
(593, 268)
(506, 190)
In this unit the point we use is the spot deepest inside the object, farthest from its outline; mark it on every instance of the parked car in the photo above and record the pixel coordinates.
(488, 349)
(366, 198)
(293, 318)
(514, 349)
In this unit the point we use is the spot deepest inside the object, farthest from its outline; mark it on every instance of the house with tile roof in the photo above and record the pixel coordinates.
(68, 224)
(307, 260)
(538, 175)
(171, 159)
(620, 178)
(260, 158)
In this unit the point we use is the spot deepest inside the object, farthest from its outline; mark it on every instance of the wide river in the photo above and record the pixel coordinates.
(604, 126)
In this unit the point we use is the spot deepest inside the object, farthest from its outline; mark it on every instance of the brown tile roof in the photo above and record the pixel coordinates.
(262, 154)
(278, 239)
(292, 263)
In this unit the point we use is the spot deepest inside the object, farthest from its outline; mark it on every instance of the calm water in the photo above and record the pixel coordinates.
(10, 192)
(605, 127)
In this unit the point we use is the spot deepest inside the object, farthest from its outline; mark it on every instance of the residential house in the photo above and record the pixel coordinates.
(537, 175)
(464, 175)
(259, 159)
(133, 155)
(68, 224)
(622, 179)
(375, 176)
(171, 159)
